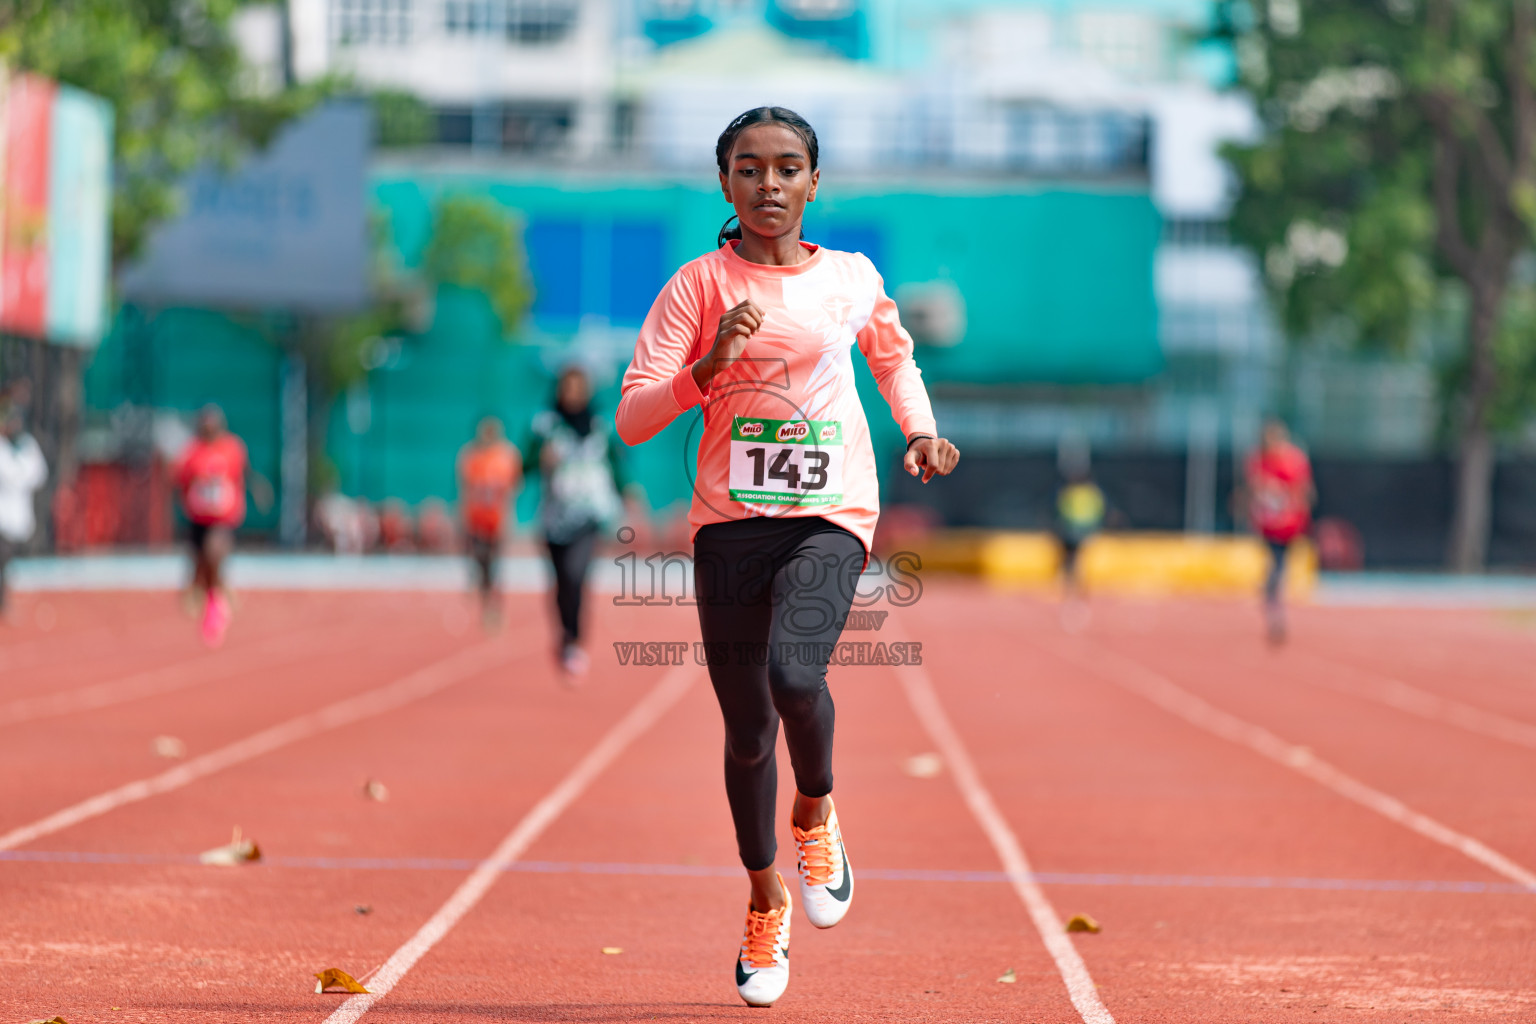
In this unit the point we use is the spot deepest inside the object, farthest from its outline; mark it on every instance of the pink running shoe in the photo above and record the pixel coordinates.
(216, 616)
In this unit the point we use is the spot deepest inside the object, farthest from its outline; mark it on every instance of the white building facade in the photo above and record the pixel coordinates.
(514, 76)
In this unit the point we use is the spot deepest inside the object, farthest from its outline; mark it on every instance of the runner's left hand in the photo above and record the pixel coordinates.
(930, 455)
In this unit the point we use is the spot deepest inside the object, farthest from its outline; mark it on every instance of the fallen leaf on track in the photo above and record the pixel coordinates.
(238, 851)
(332, 976)
(51, 1020)
(1082, 923)
(363, 908)
(924, 766)
(168, 746)
(1008, 977)
(613, 950)
(373, 789)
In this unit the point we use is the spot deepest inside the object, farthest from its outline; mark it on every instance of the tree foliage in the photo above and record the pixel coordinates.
(401, 120)
(476, 245)
(1335, 197)
(1399, 156)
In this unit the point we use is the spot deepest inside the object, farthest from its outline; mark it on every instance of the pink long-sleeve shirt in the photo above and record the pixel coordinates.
(784, 433)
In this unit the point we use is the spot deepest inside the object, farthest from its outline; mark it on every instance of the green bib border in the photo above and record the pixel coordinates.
(754, 497)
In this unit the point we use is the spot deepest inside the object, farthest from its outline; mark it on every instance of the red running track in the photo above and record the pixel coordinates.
(1235, 879)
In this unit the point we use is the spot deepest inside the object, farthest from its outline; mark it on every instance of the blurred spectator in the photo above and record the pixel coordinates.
(396, 531)
(904, 528)
(23, 471)
(17, 395)
(435, 531)
(347, 524)
(1340, 547)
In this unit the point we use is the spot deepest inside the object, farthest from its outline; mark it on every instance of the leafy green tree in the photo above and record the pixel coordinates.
(476, 245)
(1399, 156)
(402, 120)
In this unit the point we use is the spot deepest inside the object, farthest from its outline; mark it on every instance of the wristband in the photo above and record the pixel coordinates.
(917, 437)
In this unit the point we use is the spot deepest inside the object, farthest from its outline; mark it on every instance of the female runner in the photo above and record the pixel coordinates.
(759, 333)
(573, 452)
(212, 475)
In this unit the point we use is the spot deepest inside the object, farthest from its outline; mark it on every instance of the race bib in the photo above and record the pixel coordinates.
(1271, 502)
(210, 496)
(485, 494)
(786, 462)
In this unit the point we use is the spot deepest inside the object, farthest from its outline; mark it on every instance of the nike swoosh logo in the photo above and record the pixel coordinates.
(742, 977)
(843, 891)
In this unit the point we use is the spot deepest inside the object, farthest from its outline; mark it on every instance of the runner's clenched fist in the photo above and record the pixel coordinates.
(737, 324)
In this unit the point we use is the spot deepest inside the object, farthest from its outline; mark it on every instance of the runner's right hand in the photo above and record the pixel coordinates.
(737, 324)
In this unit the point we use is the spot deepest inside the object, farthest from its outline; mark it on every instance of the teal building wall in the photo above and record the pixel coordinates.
(185, 358)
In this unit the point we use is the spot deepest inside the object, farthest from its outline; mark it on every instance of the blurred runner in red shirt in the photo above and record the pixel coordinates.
(211, 476)
(1280, 498)
(490, 472)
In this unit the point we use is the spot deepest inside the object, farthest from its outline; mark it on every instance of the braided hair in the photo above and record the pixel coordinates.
(759, 115)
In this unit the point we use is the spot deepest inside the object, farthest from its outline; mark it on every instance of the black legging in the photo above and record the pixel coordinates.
(483, 550)
(773, 596)
(5, 561)
(1277, 552)
(570, 560)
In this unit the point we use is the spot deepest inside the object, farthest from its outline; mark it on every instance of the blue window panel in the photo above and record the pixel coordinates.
(637, 270)
(676, 27)
(865, 238)
(847, 34)
(554, 257)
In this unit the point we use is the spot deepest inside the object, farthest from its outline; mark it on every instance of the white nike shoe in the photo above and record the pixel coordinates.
(762, 968)
(826, 879)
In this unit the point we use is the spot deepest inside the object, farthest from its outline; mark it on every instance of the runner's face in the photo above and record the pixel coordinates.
(770, 180)
(574, 393)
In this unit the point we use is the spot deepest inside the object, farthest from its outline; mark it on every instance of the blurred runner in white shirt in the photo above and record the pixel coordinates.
(23, 471)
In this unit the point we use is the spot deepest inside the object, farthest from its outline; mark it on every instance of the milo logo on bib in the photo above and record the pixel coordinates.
(786, 462)
(811, 432)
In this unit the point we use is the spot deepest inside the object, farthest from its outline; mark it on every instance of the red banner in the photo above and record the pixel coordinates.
(24, 247)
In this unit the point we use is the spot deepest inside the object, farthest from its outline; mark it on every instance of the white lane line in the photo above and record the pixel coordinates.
(203, 668)
(1395, 693)
(1080, 987)
(1171, 697)
(640, 718)
(422, 683)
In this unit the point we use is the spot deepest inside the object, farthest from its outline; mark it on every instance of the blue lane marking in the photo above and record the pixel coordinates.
(550, 867)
